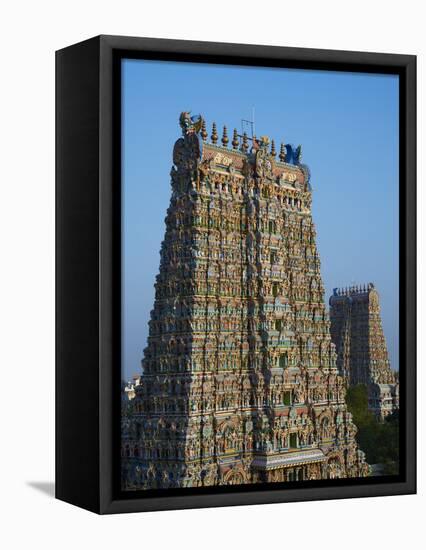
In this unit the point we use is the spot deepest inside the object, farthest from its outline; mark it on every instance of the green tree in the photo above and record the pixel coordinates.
(379, 440)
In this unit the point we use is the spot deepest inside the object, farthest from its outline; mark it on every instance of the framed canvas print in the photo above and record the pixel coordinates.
(235, 274)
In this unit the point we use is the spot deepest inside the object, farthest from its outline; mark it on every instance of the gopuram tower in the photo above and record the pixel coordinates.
(239, 383)
(362, 355)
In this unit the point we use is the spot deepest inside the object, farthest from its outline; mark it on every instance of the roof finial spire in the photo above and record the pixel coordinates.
(235, 141)
(214, 135)
(204, 134)
(282, 153)
(225, 139)
(273, 152)
(244, 145)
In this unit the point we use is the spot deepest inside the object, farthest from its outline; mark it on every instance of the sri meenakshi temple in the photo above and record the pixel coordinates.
(240, 379)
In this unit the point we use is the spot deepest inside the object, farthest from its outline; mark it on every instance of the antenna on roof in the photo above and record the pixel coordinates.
(248, 127)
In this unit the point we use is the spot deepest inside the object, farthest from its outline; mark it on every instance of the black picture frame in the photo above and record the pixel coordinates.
(88, 270)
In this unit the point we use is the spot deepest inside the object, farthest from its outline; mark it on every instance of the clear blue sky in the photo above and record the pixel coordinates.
(347, 124)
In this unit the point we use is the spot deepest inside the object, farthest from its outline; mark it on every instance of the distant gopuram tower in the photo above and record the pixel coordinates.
(239, 383)
(362, 355)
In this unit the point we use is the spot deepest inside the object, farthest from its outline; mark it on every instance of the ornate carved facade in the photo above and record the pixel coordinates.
(362, 356)
(240, 383)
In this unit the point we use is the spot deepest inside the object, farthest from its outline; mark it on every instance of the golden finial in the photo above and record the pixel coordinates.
(235, 141)
(214, 135)
(244, 145)
(282, 153)
(225, 139)
(204, 133)
(273, 152)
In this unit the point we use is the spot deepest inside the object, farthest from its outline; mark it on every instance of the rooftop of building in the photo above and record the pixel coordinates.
(353, 290)
(241, 142)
